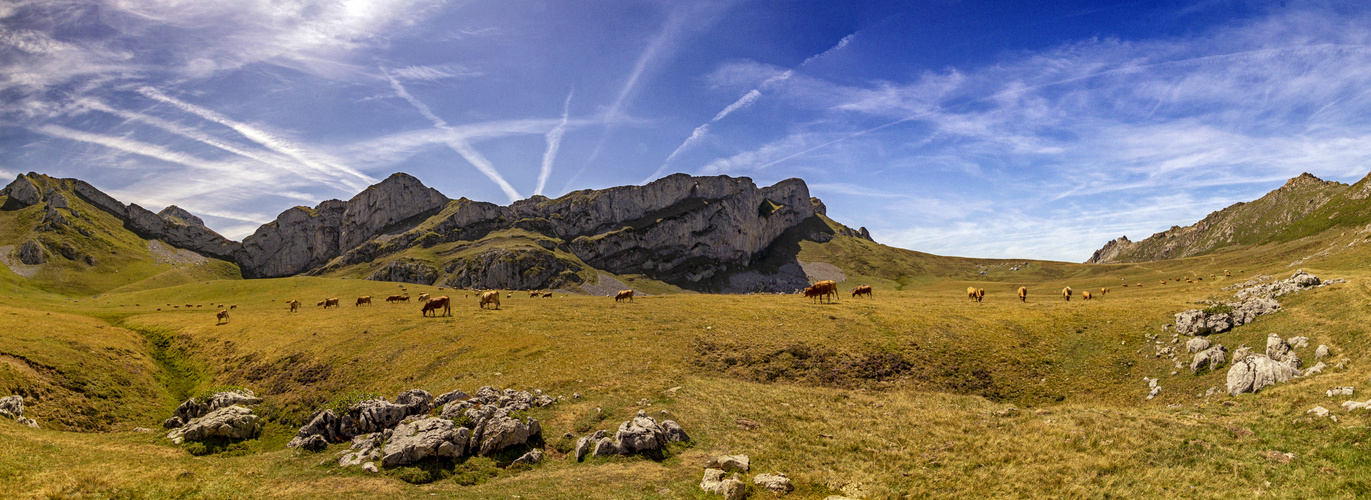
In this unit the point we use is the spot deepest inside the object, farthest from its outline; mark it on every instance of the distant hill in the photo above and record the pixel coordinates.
(1304, 206)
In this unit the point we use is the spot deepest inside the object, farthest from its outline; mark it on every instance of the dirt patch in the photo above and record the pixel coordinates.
(167, 254)
(606, 287)
(820, 271)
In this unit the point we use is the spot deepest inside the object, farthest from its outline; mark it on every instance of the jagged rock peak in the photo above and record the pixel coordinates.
(175, 215)
(1109, 251)
(23, 191)
(1308, 179)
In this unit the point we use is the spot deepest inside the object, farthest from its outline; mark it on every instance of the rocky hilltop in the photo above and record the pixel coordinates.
(699, 233)
(691, 231)
(1303, 206)
(173, 225)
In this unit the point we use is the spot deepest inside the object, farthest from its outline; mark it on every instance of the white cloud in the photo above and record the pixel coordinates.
(554, 142)
(434, 73)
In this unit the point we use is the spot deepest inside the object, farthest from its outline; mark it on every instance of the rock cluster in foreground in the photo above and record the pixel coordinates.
(223, 416)
(13, 407)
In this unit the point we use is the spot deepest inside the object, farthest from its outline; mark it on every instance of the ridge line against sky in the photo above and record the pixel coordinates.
(977, 129)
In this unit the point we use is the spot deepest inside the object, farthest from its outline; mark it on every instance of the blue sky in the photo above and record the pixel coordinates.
(984, 129)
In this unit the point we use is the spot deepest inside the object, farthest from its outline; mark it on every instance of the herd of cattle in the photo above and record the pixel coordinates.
(819, 291)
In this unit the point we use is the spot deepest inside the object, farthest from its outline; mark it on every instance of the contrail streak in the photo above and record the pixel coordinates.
(554, 142)
(746, 100)
(261, 137)
(455, 140)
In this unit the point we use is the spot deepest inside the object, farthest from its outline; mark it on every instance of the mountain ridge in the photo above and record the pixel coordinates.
(1290, 211)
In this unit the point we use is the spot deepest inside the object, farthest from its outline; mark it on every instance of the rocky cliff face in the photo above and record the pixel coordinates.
(302, 239)
(681, 229)
(1267, 219)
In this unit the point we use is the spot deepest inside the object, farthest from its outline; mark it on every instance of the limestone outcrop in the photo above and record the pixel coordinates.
(13, 407)
(231, 423)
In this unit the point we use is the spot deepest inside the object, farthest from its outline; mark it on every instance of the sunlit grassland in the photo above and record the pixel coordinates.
(934, 425)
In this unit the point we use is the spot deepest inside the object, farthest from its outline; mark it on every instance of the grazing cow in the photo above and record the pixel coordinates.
(1066, 293)
(862, 290)
(1023, 294)
(822, 289)
(294, 305)
(1163, 282)
(1104, 290)
(624, 294)
(223, 316)
(364, 300)
(434, 304)
(333, 302)
(971, 292)
(492, 297)
(1085, 295)
(547, 294)
(533, 295)
(423, 297)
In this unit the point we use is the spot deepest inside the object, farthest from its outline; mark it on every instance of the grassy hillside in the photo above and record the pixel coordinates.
(90, 251)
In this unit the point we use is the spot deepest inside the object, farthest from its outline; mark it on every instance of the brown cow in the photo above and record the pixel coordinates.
(624, 294)
(364, 300)
(233, 306)
(1023, 294)
(423, 297)
(223, 316)
(436, 303)
(490, 298)
(331, 302)
(294, 305)
(825, 288)
(1066, 292)
(971, 292)
(1085, 295)
(862, 290)
(1104, 290)
(533, 295)
(547, 294)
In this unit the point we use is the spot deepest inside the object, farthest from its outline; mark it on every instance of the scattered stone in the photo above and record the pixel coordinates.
(233, 423)
(13, 407)
(502, 431)
(364, 448)
(775, 483)
(1340, 391)
(1313, 370)
(1321, 352)
(1298, 342)
(1155, 389)
(370, 467)
(605, 447)
(32, 253)
(1356, 405)
(1255, 372)
(1321, 412)
(141, 429)
(674, 432)
(1196, 344)
(730, 463)
(1212, 358)
(442, 400)
(731, 488)
(1280, 457)
(747, 424)
(314, 443)
(530, 458)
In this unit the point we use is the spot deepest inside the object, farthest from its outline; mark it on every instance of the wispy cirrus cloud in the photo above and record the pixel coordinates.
(554, 143)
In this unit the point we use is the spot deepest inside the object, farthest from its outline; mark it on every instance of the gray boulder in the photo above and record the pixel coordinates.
(502, 431)
(372, 416)
(674, 432)
(13, 407)
(32, 252)
(1280, 351)
(731, 488)
(323, 423)
(416, 440)
(419, 401)
(232, 423)
(1212, 358)
(605, 447)
(1321, 352)
(775, 483)
(532, 457)
(730, 463)
(1297, 342)
(193, 408)
(314, 443)
(365, 448)
(449, 397)
(1257, 372)
(640, 435)
(1248, 310)
(1196, 344)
